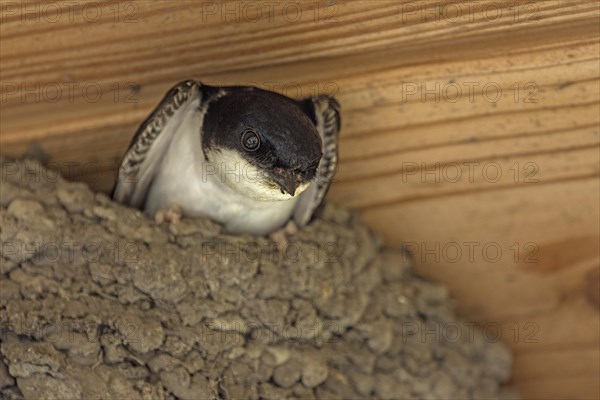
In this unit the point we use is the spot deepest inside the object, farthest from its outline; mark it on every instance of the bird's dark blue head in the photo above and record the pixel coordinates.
(264, 136)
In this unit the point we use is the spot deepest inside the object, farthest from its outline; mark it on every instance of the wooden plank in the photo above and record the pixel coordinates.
(417, 82)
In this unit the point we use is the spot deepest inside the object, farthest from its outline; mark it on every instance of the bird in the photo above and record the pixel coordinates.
(253, 160)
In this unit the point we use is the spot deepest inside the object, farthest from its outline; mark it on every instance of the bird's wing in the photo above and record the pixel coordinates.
(325, 113)
(151, 142)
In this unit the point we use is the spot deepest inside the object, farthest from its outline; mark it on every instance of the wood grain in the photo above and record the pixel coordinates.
(468, 128)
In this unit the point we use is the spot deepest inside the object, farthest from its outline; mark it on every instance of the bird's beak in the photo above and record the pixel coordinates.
(288, 184)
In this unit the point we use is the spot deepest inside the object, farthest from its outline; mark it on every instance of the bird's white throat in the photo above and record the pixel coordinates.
(230, 168)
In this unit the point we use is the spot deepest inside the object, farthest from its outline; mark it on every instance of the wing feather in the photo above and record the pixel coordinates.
(325, 112)
(151, 142)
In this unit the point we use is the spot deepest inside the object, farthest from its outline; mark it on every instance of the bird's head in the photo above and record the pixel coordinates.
(260, 143)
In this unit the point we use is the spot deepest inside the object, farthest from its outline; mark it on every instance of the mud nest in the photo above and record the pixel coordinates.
(98, 301)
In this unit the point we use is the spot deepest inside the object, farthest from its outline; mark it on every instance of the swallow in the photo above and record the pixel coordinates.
(255, 161)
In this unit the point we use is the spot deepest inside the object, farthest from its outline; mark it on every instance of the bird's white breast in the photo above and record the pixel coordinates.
(187, 180)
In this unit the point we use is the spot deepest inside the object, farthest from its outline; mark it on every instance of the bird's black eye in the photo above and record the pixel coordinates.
(250, 140)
